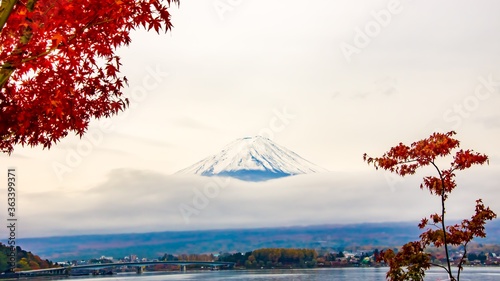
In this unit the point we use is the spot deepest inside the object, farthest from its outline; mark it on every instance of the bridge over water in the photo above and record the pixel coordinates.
(66, 270)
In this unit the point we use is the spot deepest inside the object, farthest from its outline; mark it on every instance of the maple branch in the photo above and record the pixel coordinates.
(5, 73)
(462, 260)
(5, 10)
(87, 26)
(407, 161)
(439, 265)
(443, 225)
(411, 160)
(8, 68)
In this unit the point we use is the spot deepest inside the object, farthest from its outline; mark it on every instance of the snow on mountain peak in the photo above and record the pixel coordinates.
(254, 159)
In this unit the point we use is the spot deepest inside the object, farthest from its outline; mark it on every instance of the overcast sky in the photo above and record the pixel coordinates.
(327, 79)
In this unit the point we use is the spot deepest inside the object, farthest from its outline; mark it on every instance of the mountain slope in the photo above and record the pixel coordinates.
(253, 159)
(152, 245)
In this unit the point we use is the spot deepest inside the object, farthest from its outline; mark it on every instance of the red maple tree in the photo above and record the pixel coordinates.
(58, 67)
(411, 261)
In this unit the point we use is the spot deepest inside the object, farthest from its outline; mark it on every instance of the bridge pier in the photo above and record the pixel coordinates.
(140, 269)
(183, 268)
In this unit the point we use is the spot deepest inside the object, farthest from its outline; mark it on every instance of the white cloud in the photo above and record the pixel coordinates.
(142, 201)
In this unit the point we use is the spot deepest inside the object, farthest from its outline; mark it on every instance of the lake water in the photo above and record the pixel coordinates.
(337, 274)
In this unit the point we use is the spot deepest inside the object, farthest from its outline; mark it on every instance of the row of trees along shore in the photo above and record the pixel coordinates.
(310, 258)
(24, 260)
(278, 258)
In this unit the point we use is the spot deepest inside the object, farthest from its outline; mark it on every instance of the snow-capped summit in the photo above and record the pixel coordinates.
(253, 159)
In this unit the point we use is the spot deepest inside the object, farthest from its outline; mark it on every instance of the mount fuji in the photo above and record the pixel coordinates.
(253, 159)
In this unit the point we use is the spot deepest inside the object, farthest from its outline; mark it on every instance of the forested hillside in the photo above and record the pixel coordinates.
(24, 260)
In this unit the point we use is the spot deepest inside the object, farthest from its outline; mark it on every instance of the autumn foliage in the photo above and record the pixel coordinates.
(58, 67)
(411, 261)
(24, 260)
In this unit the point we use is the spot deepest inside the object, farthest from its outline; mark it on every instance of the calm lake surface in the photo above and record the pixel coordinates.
(337, 274)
